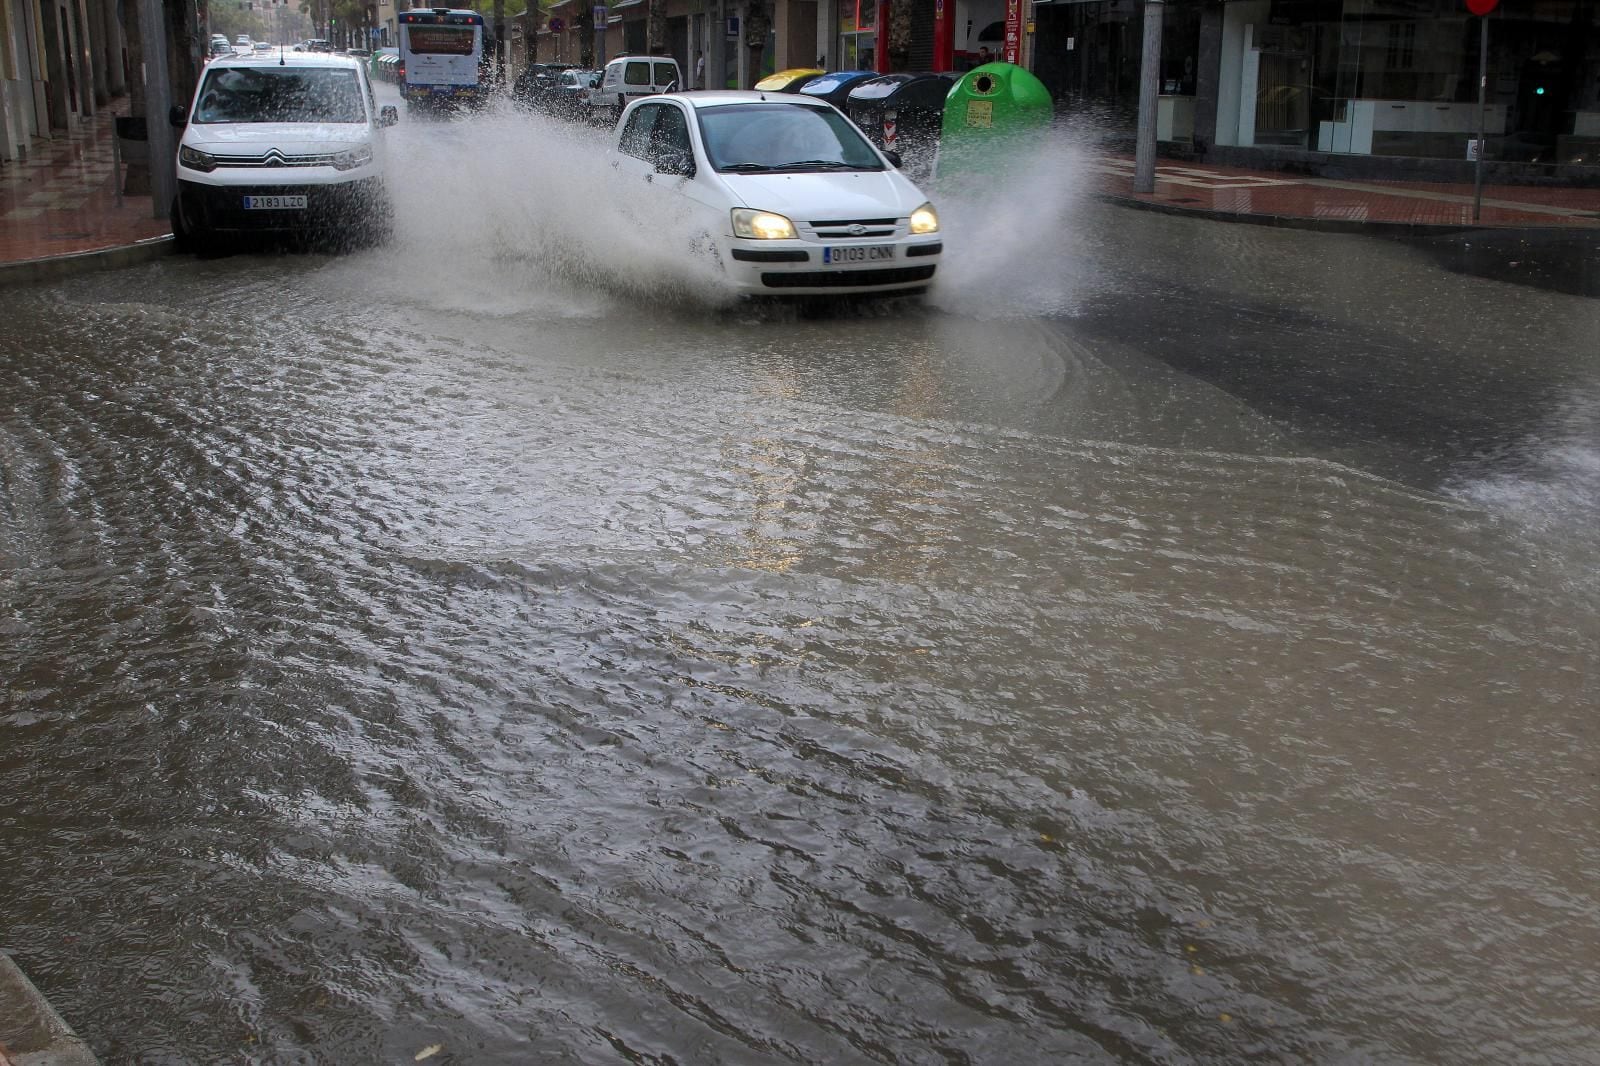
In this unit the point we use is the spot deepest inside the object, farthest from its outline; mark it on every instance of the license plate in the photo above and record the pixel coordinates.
(858, 253)
(274, 203)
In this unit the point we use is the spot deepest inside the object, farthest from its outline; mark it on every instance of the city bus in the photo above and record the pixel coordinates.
(441, 56)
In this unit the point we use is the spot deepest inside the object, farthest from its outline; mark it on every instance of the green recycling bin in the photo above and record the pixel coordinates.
(991, 114)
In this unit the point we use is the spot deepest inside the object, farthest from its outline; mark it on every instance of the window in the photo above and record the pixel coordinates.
(280, 94)
(441, 40)
(666, 74)
(776, 136)
(635, 140)
(636, 74)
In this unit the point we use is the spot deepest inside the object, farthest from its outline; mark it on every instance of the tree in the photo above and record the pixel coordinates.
(656, 28)
(757, 28)
(499, 41)
(899, 34)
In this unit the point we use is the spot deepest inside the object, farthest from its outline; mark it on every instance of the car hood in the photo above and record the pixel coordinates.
(301, 138)
(855, 194)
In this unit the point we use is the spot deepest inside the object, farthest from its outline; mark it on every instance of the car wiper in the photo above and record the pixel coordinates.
(816, 164)
(747, 167)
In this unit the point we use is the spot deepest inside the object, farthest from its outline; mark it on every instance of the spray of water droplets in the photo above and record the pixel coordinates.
(509, 212)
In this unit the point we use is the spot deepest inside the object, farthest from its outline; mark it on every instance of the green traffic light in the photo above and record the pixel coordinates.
(1539, 91)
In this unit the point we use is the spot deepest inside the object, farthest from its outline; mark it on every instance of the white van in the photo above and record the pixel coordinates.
(286, 143)
(628, 78)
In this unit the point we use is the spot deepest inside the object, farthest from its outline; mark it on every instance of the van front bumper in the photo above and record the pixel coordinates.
(358, 208)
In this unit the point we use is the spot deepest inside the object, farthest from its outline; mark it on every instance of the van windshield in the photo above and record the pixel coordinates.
(280, 94)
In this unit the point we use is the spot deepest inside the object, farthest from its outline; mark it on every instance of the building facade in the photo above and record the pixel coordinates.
(60, 61)
(1363, 84)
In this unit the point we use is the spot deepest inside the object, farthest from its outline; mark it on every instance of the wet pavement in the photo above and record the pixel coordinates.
(1174, 644)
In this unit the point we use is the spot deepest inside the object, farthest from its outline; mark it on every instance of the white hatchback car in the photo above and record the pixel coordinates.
(286, 143)
(796, 201)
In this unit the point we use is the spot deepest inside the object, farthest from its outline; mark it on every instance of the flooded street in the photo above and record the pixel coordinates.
(1171, 642)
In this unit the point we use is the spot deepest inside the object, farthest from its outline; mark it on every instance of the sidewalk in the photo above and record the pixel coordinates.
(59, 210)
(1391, 207)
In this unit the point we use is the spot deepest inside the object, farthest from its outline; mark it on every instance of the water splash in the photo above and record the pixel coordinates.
(1013, 245)
(508, 212)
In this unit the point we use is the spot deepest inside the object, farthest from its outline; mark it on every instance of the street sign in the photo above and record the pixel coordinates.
(599, 15)
(556, 25)
(1482, 7)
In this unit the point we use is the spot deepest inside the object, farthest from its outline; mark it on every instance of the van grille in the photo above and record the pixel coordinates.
(273, 159)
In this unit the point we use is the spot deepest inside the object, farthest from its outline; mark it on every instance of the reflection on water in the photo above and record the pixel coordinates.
(511, 669)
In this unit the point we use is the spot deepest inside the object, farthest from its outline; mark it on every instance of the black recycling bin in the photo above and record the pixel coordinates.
(903, 113)
(835, 87)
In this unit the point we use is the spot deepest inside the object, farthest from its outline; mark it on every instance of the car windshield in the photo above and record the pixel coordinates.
(280, 94)
(783, 137)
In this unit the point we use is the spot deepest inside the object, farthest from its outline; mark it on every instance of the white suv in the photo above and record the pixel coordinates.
(281, 143)
(628, 78)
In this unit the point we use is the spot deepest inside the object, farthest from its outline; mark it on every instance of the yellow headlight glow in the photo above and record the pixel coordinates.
(761, 225)
(925, 220)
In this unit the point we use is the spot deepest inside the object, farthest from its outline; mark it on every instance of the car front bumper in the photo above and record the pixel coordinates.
(800, 268)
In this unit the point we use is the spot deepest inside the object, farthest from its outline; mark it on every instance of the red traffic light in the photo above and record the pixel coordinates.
(1482, 7)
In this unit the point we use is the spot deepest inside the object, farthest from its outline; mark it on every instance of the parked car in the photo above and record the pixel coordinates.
(283, 144)
(536, 83)
(570, 98)
(794, 200)
(262, 48)
(627, 78)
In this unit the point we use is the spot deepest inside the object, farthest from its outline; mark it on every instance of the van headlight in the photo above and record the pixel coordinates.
(925, 220)
(355, 157)
(195, 159)
(761, 225)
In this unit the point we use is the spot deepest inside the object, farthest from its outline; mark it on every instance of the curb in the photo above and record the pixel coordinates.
(55, 267)
(31, 1032)
(1317, 225)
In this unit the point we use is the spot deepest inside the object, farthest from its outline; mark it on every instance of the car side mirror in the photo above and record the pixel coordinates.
(388, 115)
(894, 158)
(594, 83)
(178, 116)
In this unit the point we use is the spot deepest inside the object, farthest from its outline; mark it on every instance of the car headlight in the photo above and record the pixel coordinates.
(925, 220)
(355, 157)
(195, 159)
(761, 225)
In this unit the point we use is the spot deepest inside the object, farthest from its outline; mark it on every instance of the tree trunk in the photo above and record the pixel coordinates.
(500, 42)
(137, 182)
(757, 27)
(899, 34)
(183, 51)
(656, 28)
(585, 19)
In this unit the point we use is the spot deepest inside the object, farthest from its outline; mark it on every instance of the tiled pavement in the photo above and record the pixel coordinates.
(1251, 195)
(63, 199)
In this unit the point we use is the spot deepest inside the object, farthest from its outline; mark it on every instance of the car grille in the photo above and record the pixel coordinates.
(844, 229)
(273, 159)
(828, 279)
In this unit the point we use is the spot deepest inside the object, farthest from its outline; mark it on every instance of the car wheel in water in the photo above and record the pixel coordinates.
(186, 238)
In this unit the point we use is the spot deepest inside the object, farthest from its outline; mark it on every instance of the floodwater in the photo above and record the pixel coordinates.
(1172, 642)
